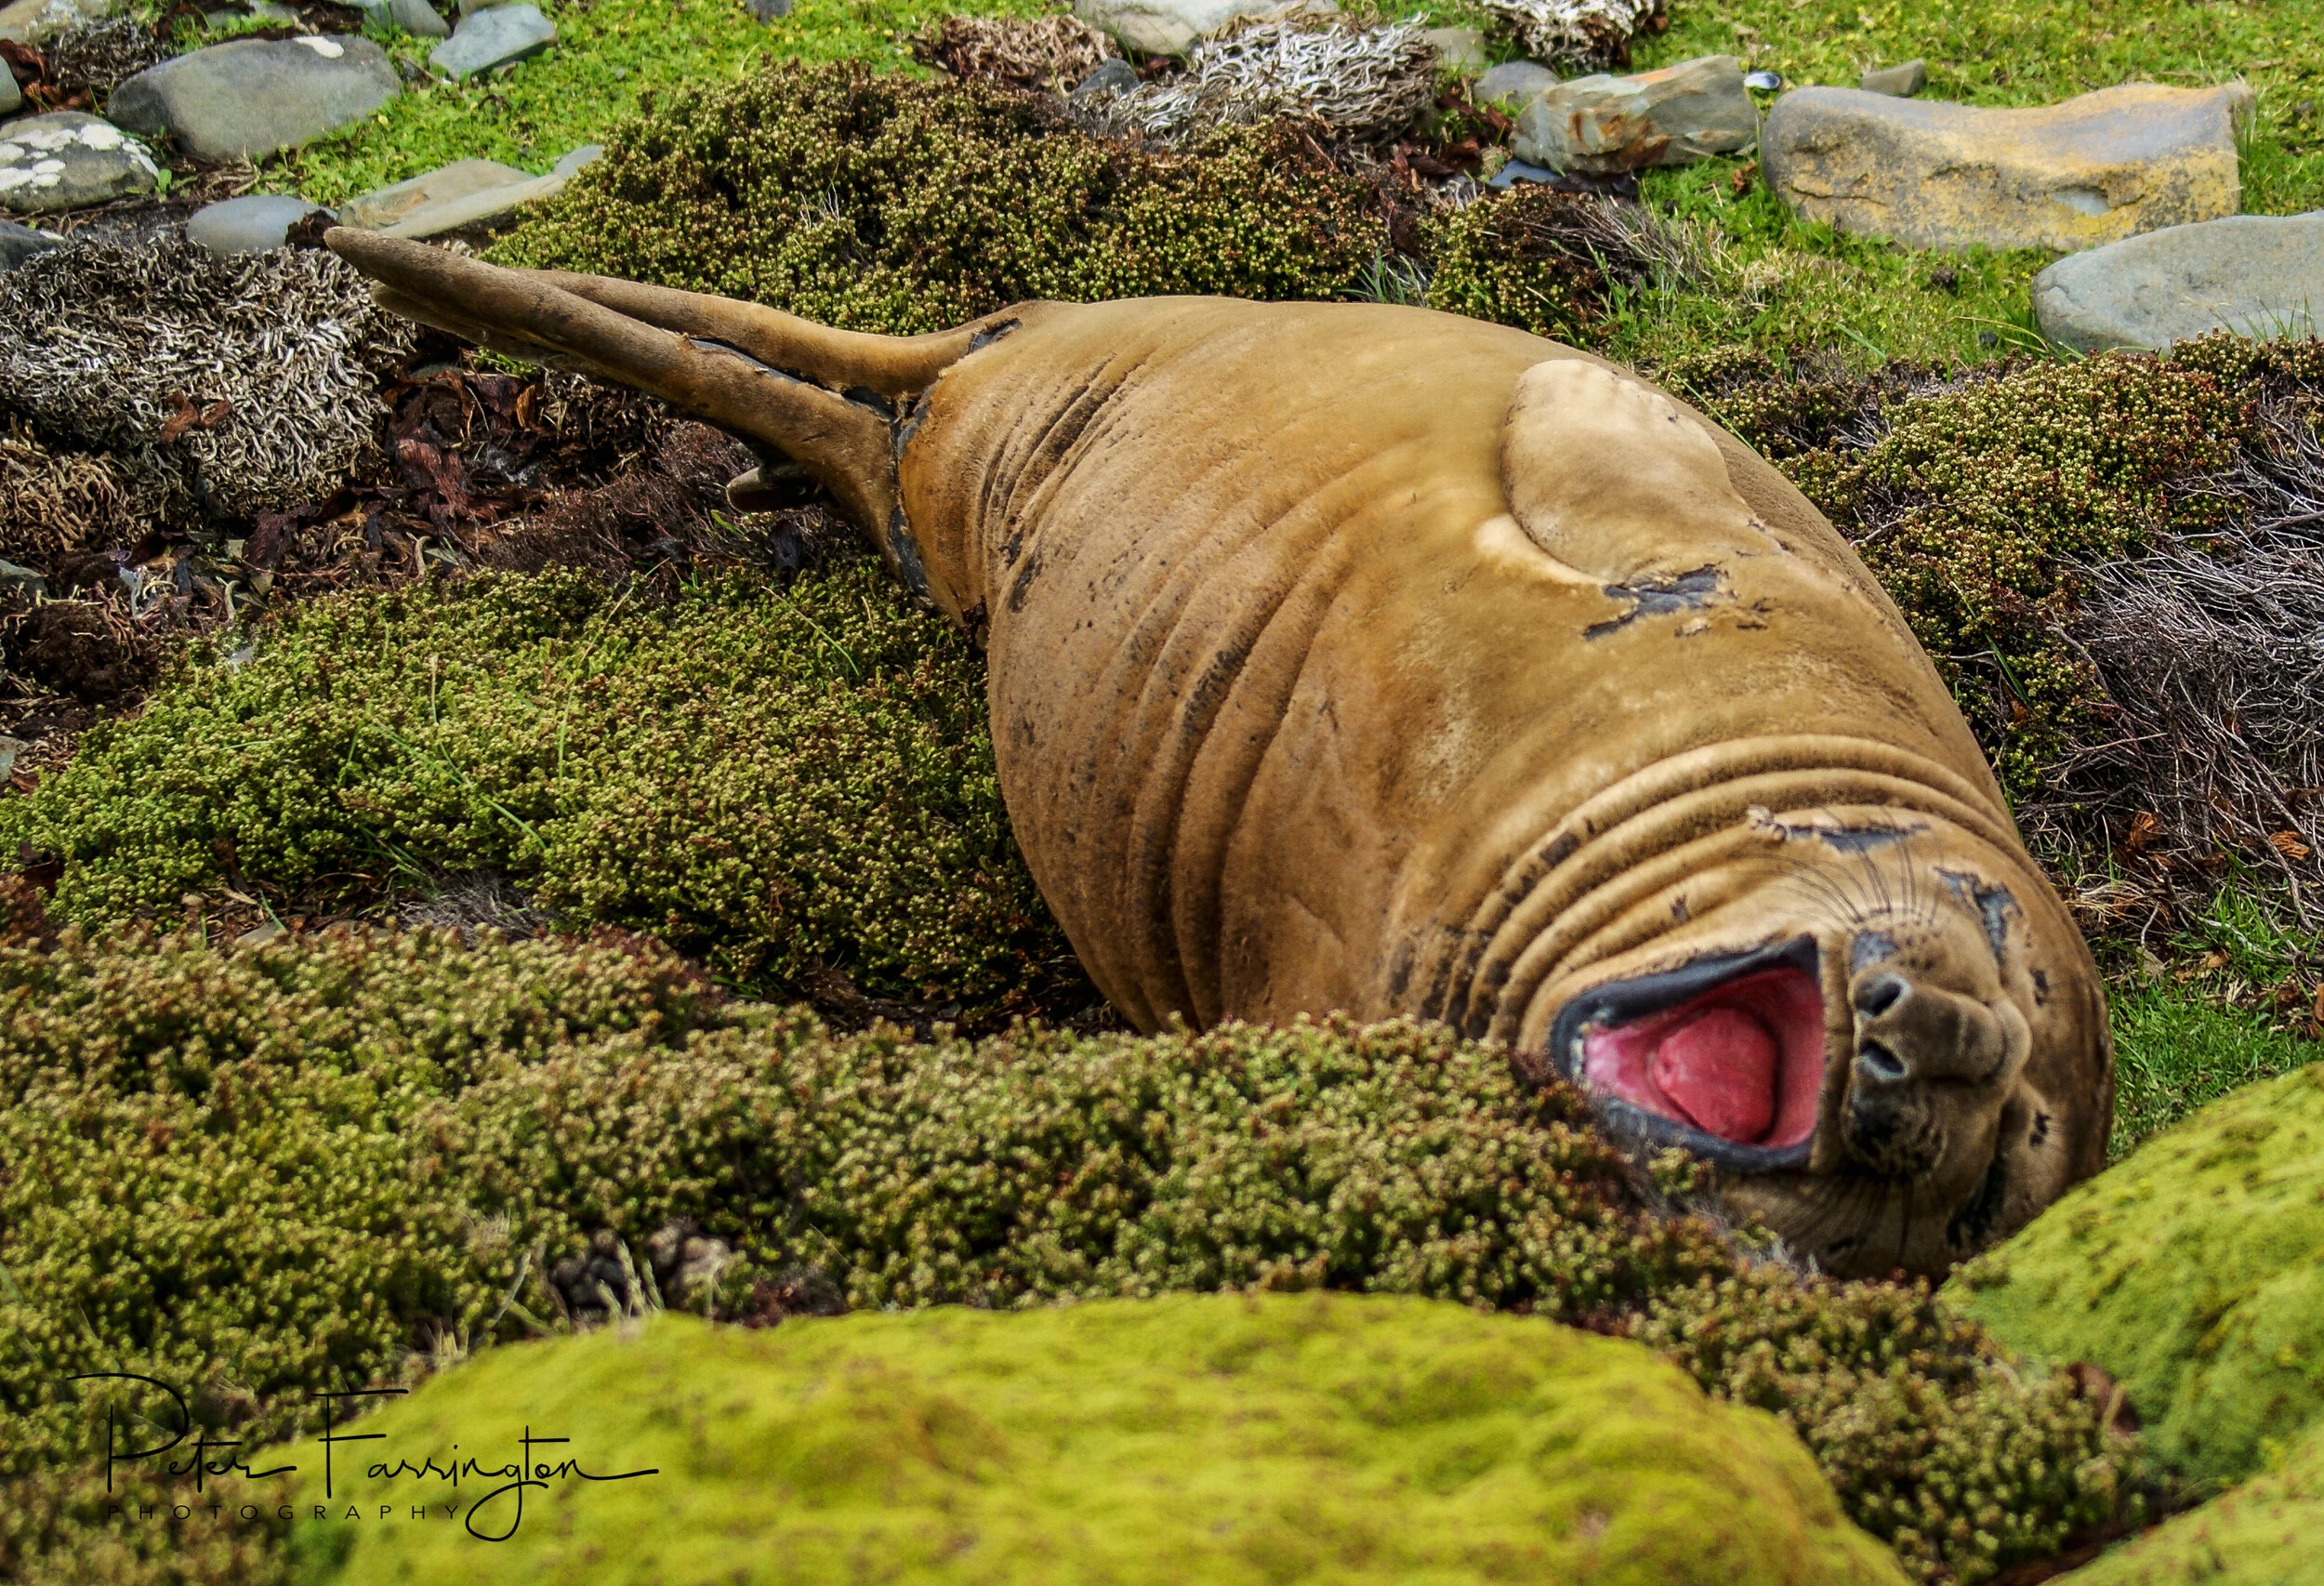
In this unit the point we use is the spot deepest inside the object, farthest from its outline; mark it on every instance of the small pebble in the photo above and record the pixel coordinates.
(247, 225)
(1764, 81)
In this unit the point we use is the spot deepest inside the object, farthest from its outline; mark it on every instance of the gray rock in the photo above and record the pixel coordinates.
(1897, 82)
(37, 21)
(482, 208)
(21, 243)
(2091, 170)
(250, 98)
(1458, 50)
(770, 10)
(247, 225)
(1513, 83)
(490, 38)
(11, 96)
(1669, 117)
(418, 18)
(576, 158)
(391, 205)
(65, 160)
(1165, 27)
(1113, 75)
(2254, 274)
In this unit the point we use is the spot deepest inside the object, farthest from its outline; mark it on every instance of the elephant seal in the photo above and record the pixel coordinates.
(1361, 657)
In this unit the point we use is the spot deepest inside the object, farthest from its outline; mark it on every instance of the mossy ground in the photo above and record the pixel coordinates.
(1227, 1439)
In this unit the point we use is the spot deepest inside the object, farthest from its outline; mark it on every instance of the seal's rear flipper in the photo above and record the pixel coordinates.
(826, 399)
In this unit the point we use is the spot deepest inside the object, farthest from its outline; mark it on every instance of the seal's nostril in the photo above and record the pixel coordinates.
(1877, 996)
(1879, 1062)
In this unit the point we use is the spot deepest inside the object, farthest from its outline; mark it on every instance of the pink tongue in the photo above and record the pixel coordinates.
(1719, 1068)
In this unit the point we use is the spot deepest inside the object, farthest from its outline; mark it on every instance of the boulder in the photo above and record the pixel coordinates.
(37, 22)
(571, 162)
(462, 178)
(1671, 117)
(2193, 1269)
(418, 18)
(1512, 85)
(65, 160)
(1220, 1439)
(21, 243)
(1931, 175)
(2254, 274)
(247, 225)
(1458, 50)
(1897, 82)
(1165, 27)
(250, 98)
(492, 37)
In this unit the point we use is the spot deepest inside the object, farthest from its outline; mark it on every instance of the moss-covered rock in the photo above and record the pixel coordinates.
(2194, 1272)
(886, 203)
(1225, 1439)
(2264, 1533)
(782, 781)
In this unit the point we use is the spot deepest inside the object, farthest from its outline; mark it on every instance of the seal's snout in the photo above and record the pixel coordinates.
(1923, 1053)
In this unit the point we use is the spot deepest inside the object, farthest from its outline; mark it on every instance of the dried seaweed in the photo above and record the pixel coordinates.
(52, 503)
(1362, 83)
(96, 58)
(2212, 653)
(1014, 52)
(254, 378)
(1579, 33)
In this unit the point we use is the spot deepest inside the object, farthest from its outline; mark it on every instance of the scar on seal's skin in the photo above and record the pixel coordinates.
(1994, 904)
(1688, 591)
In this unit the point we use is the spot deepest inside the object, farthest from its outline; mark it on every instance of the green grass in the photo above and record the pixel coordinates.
(2175, 1051)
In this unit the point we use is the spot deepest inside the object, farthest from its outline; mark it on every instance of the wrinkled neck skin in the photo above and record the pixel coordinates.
(1362, 659)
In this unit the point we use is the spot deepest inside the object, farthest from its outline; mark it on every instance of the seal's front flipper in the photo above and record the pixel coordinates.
(674, 349)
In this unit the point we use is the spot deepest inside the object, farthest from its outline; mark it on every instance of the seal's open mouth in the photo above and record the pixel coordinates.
(1725, 1053)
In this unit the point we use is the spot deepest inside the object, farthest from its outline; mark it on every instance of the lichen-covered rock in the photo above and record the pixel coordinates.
(2194, 1272)
(2264, 1533)
(1667, 117)
(1931, 175)
(65, 160)
(2254, 274)
(1223, 1439)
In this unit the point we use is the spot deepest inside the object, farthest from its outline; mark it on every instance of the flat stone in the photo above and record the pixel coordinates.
(1897, 82)
(37, 22)
(250, 98)
(418, 18)
(1931, 175)
(1165, 27)
(65, 160)
(1458, 50)
(1512, 85)
(490, 38)
(21, 243)
(247, 225)
(575, 158)
(2254, 274)
(390, 205)
(1681, 113)
(475, 209)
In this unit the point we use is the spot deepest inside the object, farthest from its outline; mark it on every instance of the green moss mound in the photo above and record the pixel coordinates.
(1552, 263)
(2194, 1272)
(782, 782)
(883, 203)
(333, 1160)
(1223, 1439)
(2264, 1533)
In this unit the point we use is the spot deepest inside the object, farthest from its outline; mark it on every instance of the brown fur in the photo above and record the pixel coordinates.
(1347, 656)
